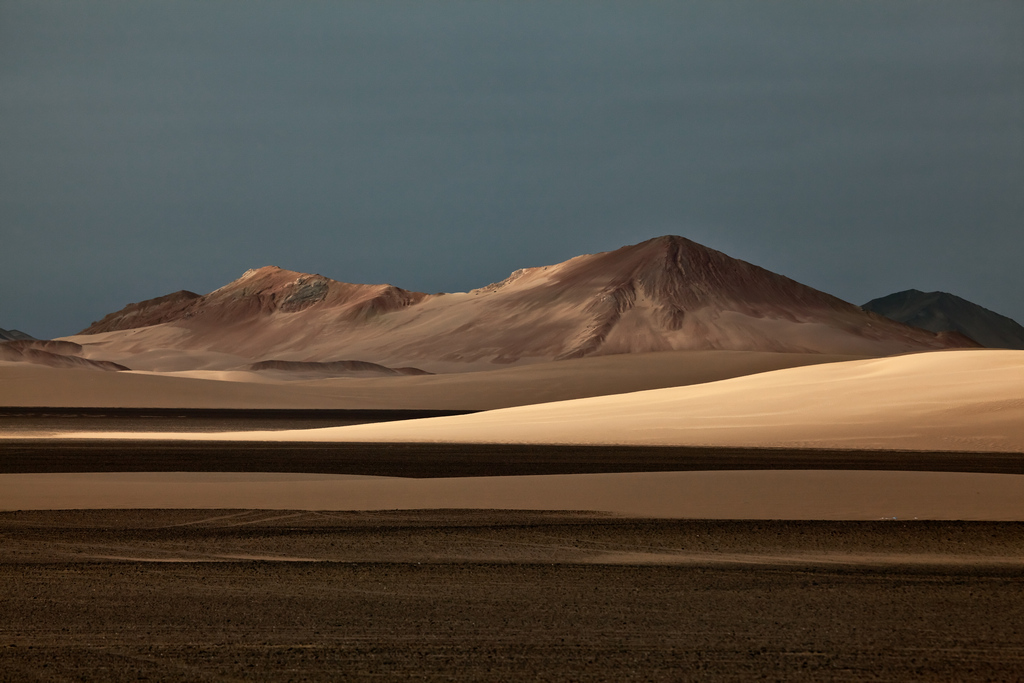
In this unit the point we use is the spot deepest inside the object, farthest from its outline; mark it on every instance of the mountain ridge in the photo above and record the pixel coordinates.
(667, 293)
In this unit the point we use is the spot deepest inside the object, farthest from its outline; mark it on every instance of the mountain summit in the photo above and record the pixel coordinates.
(944, 312)
(663, 294)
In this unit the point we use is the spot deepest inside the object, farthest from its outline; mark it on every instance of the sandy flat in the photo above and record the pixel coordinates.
(800, 494)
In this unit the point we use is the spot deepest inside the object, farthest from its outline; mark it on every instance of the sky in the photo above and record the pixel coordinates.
(860, 147)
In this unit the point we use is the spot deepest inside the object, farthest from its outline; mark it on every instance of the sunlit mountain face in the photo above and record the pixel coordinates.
(668, 293)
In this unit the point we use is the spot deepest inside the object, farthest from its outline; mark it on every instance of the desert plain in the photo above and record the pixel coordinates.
(581, 539)
(805, 491)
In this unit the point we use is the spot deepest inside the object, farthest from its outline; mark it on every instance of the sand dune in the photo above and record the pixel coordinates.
(29, 385)
(953, 400)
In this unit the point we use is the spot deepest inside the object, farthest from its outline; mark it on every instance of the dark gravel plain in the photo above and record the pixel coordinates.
(496, 595)
(249, 595)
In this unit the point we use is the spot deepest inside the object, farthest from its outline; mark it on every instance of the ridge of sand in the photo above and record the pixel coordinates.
(953, 400)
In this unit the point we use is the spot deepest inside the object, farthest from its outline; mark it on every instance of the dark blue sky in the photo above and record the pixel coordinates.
(859, 147)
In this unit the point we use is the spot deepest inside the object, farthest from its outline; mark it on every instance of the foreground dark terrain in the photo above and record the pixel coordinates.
(488, 595)
(428, 460)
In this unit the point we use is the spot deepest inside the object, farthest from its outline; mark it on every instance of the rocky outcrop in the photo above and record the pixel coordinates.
(145, 313)
(258, 293)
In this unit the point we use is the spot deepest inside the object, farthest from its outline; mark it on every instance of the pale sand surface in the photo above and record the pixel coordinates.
(23, 384)
(797, 495)
(951, 400)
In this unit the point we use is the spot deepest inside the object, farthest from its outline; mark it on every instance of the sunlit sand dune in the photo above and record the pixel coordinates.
(954, 400)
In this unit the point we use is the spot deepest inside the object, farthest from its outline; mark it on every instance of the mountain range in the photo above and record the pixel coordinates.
(943, 312)
(667, 293)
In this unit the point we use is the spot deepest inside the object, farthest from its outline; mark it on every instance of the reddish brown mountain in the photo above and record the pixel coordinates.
(145, 313)
(666, 293)
(257, 293)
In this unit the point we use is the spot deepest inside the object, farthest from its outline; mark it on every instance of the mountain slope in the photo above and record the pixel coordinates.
(664, 294)
(943, 312)
(145, 313)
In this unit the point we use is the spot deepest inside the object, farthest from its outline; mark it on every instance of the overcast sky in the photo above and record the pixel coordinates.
(859, 147)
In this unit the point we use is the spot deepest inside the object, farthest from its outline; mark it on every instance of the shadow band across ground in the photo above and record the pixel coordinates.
(431, 460)
(65, 419)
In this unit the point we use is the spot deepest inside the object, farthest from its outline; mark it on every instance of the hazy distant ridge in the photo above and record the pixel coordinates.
(13, 335)
(944, 312)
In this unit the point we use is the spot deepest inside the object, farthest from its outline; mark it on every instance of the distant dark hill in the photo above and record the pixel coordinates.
(942, 312)
(13, 335)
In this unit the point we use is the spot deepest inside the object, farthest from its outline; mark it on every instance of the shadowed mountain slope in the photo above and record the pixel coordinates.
(668, 293)
(943, 312)
(146, 313)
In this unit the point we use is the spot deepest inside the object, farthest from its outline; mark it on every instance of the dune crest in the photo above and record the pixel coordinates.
(971, 400)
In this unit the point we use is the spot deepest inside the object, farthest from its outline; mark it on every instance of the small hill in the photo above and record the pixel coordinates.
(944, 312)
